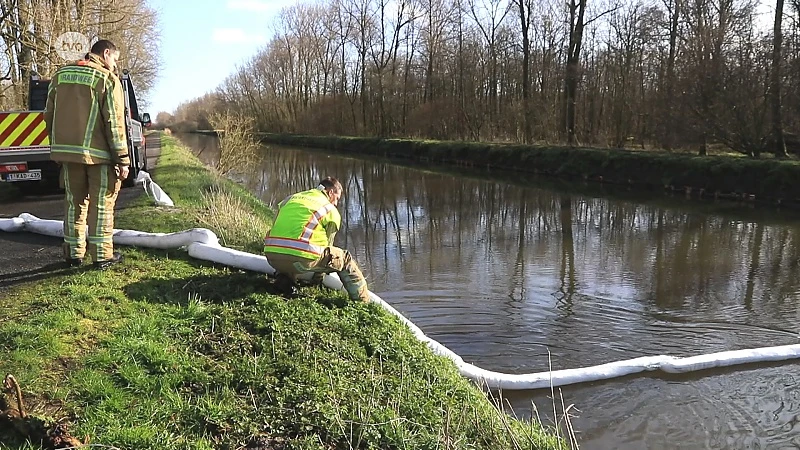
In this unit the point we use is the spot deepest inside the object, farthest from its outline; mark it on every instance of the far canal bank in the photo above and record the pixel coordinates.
(762, 181)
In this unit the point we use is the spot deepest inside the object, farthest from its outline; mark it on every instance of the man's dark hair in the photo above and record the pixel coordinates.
(331, 183)
(101, 46)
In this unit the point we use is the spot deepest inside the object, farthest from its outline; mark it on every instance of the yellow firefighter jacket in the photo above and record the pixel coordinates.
(85, 114)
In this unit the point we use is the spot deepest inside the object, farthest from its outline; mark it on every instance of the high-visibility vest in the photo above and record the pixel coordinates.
(299, 229)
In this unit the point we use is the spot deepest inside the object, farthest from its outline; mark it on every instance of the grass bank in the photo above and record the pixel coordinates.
(728, 176)
(165, 352)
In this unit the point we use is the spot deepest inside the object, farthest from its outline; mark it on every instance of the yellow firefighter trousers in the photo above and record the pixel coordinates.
(90, 190)
(333, 259)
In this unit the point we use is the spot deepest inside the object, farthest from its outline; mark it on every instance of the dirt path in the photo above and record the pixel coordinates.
(26, 257)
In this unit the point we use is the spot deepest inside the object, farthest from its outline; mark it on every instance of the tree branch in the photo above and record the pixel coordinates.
(588, 22)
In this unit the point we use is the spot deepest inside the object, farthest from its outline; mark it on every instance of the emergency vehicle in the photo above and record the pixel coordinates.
(25, 145)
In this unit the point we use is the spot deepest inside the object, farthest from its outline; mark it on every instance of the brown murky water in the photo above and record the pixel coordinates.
(502, 272)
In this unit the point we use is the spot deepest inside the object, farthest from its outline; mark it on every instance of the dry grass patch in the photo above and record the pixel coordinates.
(231, 218)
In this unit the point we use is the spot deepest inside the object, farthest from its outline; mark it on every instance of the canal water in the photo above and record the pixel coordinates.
(516, 275)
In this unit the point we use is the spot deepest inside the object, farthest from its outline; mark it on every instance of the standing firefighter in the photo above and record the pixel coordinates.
(301, 240)
(86, 121)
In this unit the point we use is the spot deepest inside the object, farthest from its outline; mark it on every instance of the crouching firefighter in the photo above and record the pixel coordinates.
(301, 240)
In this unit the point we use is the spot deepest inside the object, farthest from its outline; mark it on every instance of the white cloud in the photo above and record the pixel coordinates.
(235, 36)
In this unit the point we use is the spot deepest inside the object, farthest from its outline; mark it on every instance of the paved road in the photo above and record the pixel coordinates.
(28, 257)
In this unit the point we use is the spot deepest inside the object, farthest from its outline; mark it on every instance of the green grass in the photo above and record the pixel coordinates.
(203, 200)
(166, 352)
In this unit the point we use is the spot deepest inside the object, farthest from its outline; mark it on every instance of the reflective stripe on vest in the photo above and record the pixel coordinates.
(313, 222)
(299, 229)
(294, 244)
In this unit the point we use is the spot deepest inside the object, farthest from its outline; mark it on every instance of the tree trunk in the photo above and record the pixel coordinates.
(24, 51)
(703, 151)
(524, 20)
(462, 128)
(673, 50)
(493, 106)
(576, 13)
(363, 82)
(382, 131)
(779, 141)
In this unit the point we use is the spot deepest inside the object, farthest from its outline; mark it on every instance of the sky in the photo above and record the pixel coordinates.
(203, 41)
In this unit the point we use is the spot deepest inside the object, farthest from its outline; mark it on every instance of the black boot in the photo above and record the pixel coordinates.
(285, 285)
(73, 262)
(106, 263)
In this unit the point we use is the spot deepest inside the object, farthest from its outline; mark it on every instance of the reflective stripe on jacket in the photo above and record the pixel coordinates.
(85, 115)
(300, 228)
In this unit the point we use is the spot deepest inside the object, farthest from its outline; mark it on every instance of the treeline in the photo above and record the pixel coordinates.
(29, 30)
(662, 73)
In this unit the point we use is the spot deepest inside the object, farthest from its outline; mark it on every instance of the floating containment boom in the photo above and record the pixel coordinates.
(203, 244)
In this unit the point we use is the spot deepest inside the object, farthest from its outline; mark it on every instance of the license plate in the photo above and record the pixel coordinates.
(32, 175)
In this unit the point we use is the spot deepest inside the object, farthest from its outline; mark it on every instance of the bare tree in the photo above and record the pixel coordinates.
(494, 13)
(577, 12)
(779, 143)
(524, 10)
(674, 10)
(384, 51)
(674, 74)
(29, 30)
